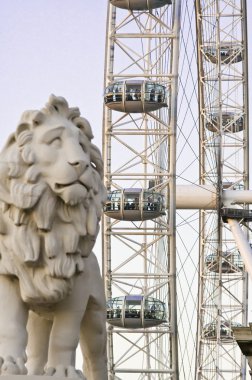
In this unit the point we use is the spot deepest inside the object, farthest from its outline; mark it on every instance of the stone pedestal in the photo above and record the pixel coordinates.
(33, 377)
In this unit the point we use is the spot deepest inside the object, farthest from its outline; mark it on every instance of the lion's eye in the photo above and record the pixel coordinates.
(56, 142)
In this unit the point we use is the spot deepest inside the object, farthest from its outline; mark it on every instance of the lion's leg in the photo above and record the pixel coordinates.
(93, 341)
(13, 335)
(38, 339)
(63, 343)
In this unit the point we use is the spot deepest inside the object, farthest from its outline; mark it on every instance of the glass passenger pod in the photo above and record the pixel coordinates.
(135, 96)
(134, 204)
(135, 311)
(231, 262)
(226, 332)
(139, 5)
(242, 215)
(229, 53)
(231, 122)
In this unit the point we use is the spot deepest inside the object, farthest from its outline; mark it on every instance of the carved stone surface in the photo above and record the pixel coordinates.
(51, 197)
(31, 377)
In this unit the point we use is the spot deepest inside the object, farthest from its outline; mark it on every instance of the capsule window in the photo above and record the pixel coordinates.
(114, 308)
(133, 92)
(153, 201)
(131, 201)
(117, 92)
(160, 93)
(133, 308)
(150, 93)
(114, 201)
(154, 309)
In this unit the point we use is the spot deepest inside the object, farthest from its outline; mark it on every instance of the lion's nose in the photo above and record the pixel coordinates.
(80, 166)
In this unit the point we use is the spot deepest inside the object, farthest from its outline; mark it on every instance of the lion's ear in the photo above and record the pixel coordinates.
(22, 127)
(23, 134)
(23, 138)
(58, 104)
(25, 149)
(84, 125)
(29, 120)
(28, 155)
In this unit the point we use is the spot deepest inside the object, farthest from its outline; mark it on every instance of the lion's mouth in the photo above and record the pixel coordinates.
(72, 193)
(62, 186)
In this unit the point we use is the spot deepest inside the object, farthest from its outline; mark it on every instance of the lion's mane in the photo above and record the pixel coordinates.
(44, 240)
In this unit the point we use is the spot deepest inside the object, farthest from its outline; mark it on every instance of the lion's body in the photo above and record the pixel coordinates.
(51, 197)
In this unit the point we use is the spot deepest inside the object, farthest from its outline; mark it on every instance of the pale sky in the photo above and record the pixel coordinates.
(51, 46)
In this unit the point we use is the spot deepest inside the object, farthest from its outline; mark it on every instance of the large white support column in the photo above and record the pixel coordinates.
(204, 197)
(242, 244)
(196, 197)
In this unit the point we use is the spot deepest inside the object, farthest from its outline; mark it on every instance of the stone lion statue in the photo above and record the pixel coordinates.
(51, 197)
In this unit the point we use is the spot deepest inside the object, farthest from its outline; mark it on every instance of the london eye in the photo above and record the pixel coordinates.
(176, 222)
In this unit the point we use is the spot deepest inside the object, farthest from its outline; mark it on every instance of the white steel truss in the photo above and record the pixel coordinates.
(205, 293)
(139, 152)
(223, 107)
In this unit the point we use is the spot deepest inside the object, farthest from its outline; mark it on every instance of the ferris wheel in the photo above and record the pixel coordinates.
(175, 149)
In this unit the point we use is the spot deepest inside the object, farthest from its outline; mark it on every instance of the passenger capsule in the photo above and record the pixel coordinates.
(228, 54)
(236, 213)
(231, 262)
(134, 204)
(139, 5)
(135, 311)
(210, 331)
(231, 122)
(135, 96)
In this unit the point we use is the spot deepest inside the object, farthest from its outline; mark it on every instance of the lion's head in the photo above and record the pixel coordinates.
(52, 195)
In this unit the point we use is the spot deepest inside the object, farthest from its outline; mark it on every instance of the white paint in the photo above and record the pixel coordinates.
(242, 244)
(204, 197)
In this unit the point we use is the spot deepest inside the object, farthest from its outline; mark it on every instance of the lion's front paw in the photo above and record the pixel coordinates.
(62, 371)
(12, 366)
